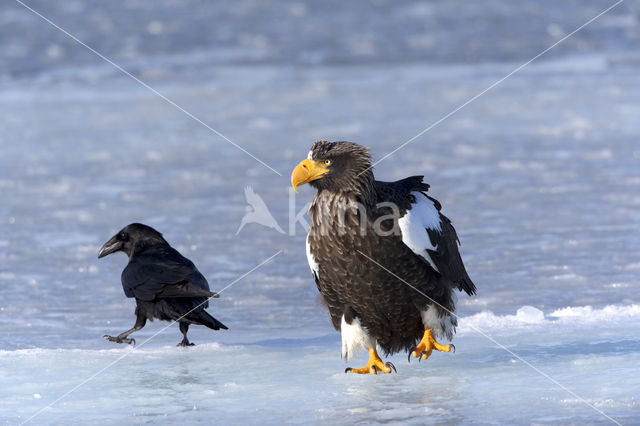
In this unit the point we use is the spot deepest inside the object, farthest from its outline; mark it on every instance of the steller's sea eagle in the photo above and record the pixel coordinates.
(384, 258)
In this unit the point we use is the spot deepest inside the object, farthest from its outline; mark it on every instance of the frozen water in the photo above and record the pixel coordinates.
(541, 177)
(298, 380)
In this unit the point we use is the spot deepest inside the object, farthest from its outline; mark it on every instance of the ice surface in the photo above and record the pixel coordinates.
(300, 380)
(541, 177)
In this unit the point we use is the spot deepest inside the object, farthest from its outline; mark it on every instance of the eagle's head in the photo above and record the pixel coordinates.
(335, 167)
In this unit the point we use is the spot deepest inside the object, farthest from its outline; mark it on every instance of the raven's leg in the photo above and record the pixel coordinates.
(184, 327)
(141, 320)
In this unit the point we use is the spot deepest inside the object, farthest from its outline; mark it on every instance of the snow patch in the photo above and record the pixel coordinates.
(587, 314)
(528, 316)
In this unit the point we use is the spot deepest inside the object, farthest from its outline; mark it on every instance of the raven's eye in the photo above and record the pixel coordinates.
(123, 236)
(327, 162)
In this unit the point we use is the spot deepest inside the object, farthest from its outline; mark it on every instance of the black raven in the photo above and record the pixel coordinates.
(165, 284)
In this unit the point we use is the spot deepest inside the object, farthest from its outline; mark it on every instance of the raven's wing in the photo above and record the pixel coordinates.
(184, 289)
(163, 272)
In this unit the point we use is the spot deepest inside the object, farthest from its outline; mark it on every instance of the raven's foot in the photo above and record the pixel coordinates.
(119, 339)
(185, 343)
(374, 365)
(427, 345)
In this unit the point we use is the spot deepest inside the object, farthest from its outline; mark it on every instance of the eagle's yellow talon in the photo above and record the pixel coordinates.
(427, 345)
(374, 365)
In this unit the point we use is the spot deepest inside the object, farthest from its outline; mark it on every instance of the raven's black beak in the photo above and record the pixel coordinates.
(111, 246)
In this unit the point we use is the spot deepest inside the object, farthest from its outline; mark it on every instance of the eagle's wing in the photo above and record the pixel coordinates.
(427, 232)
(163, 273)
(447, 256)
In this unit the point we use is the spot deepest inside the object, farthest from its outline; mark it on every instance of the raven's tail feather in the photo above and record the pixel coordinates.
(203, 317)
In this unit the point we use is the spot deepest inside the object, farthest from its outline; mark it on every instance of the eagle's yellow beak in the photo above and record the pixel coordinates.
(307, 171)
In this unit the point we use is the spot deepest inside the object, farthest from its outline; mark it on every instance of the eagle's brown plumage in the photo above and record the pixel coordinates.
(343, 237)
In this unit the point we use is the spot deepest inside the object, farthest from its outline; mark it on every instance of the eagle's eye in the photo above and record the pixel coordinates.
(327, 162)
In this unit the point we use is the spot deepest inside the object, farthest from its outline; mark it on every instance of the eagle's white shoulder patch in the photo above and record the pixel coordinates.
(315, 267)
(413, 226)
(354, 338)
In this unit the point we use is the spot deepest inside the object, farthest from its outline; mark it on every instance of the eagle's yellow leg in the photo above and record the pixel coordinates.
(374, 365)
(427, 345)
